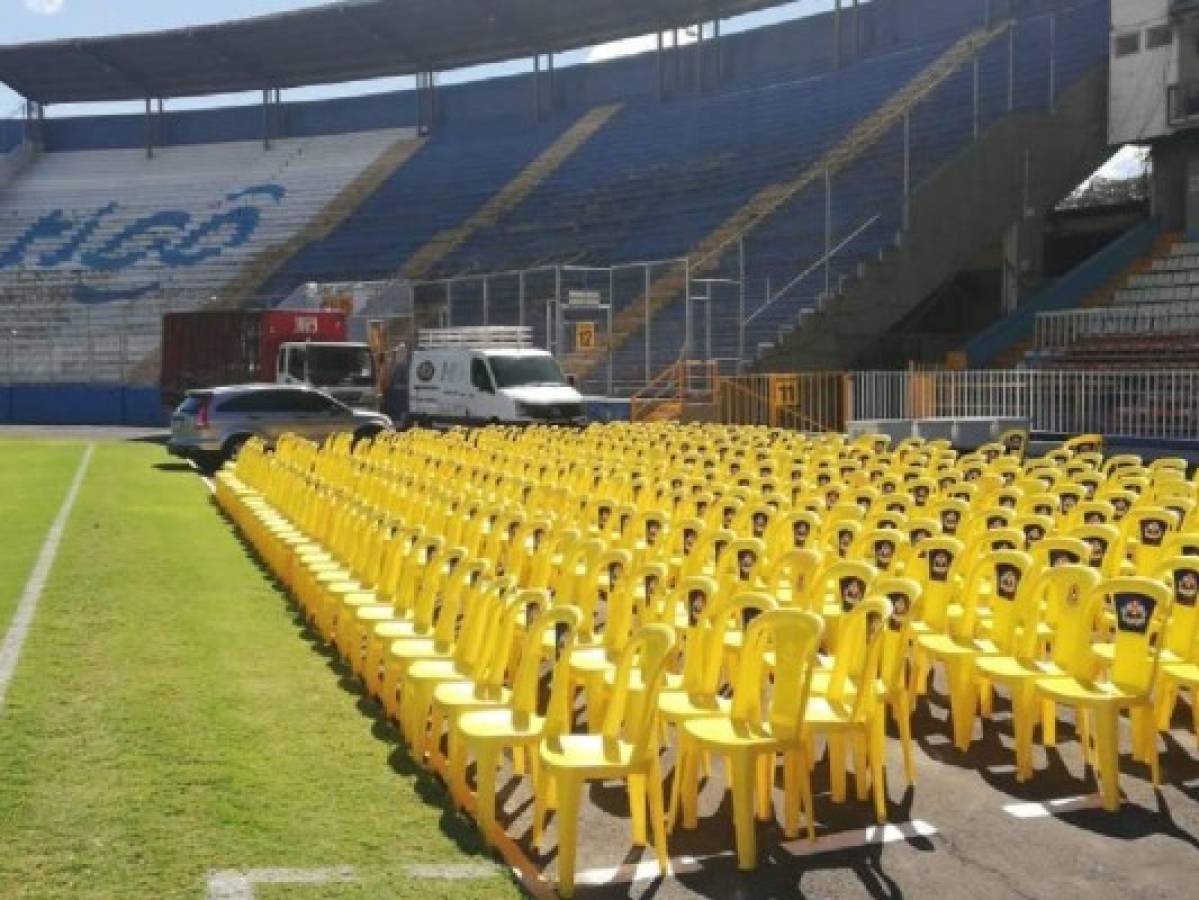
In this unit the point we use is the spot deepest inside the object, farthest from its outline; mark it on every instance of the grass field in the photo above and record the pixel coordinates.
(34, 478)
(168, 718)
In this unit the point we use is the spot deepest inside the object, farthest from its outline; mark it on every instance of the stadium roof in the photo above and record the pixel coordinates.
(343, 41)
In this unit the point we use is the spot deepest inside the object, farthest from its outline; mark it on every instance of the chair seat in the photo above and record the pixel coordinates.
(378, 612)
(587, 754)
(822, 714)
(1184, 673)
(1008, 669)
(1065, 689)
(468, 695)
(945, 646)
(678, 706)
(500, 725)
(724, 732)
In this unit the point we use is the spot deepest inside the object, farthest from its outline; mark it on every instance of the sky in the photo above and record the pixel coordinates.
(23, 21)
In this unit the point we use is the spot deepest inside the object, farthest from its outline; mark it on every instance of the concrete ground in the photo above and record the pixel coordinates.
(966, 828)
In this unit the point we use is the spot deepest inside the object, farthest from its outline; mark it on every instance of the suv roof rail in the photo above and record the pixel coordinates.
(483, 337)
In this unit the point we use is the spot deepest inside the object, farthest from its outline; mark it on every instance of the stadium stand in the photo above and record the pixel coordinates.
(628, 164)
(83, 230)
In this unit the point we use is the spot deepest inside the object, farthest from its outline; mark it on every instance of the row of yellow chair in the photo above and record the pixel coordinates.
(659, 569)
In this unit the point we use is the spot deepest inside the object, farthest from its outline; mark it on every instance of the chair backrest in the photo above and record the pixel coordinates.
(791, 574)
(793, 635)
(846, 582)
(448, 607)
(880, 547)
(1181, 573)
(1053, 592)
(733, 614)
(858, 655)
(648, 651)
(562, 623)
(936, 566)
(904, 594)
(1137, 601)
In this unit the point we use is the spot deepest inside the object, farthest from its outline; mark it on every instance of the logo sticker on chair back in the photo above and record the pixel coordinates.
(799, 534)
(1007, 581)
(939, 562)
(853, 589)
(1152, 532)
(746, 559)
(949, 520)
(1063, 558)
(1133, 612)
(1098, 550)
(697, 602)
(884, 552)
(900, 607)
(1186, 586)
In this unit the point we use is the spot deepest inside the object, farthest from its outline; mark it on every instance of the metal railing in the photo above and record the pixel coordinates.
(1059, 330)
(1154, 404)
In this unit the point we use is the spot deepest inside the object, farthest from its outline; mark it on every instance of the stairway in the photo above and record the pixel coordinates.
(705, 257)
(260, 268)
(422, 263)
(966, 205)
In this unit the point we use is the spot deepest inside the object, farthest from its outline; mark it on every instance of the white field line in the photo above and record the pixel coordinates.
(18, 630)
(238, 884)
(1052, 807)
(647, 869)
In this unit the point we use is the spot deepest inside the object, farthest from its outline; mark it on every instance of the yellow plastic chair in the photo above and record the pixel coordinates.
(1130, 683)
(625, 747)
(520, 725)
(849, 711)
(756, 729)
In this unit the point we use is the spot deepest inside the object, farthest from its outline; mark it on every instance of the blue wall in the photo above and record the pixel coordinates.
(789, 50)
(81, 404)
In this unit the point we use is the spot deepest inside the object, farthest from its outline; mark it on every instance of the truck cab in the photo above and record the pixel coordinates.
(345, 371)
(479, 376)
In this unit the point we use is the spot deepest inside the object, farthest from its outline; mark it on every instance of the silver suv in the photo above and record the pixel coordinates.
(210, 425)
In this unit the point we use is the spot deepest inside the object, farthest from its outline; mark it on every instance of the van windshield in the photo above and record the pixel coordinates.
(340, 366)
(522, 371)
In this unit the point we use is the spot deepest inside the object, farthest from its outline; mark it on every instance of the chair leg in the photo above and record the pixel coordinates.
(765, 784)
(878, 769)
(962, 696)
(858, 742)
(1048, 723)
(657, 816)
(791, 801)
(1108, 752)
(836, 764)
(636, 791)
(568, 824)
(741, 768)
(805, 789)
(485, 766)
(903, 719)
(457, 767)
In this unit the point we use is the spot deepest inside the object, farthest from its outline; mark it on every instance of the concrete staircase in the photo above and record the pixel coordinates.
(422, 263)
(1100, 298)
(967, 205)
(705, 257)
(259, 269)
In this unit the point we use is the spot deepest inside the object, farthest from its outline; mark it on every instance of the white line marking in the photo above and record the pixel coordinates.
(647, 869)
(18, 630)
(238, 884)
(873, 835)
(1052, 807)
(233, 884)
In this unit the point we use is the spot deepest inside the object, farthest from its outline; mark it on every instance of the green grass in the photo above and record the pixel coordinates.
(168, 718)
(34, 478)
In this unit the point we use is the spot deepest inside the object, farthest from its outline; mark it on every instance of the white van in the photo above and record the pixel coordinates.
(487, 375)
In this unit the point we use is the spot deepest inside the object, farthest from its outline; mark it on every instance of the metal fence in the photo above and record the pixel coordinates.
(1154, 404)
(1059, 330)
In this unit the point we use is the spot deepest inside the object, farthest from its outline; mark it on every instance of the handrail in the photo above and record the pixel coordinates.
(827, 258)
